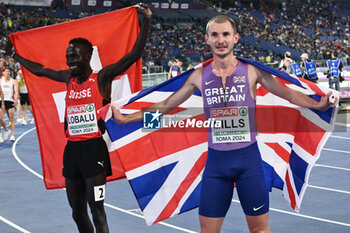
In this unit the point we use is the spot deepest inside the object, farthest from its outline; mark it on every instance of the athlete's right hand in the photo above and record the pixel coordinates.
(144, 9)
(117, 116)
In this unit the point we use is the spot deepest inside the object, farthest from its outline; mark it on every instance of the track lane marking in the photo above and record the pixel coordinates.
(305, 216)
(332, 167)
(13, 225)
(106, 204)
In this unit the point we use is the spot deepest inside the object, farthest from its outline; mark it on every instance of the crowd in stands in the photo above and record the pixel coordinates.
(167, 42)
(313, 27)
(267, 30)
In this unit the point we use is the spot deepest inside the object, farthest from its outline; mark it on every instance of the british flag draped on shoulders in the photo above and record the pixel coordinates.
(164, 167)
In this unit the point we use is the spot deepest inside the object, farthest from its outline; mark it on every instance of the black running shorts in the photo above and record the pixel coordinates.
(8, 104)
(24, 99)
(85, 159)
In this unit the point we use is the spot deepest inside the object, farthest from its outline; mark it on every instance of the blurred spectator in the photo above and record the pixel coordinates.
(293, 68)
(285, 61)
(333, 70)
(175, 69)
(308, 68)
(313, 27)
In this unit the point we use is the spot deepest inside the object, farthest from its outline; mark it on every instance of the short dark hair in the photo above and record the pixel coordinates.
(335, 53)
(7, 68)
(87, 44)
(179, 59)
(222, 19)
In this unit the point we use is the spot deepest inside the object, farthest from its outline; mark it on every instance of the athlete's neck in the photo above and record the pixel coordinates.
(83, 77)
(224, 67)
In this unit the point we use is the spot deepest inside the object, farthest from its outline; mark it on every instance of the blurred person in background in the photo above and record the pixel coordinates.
(175, 69)
(10, 88)
(308, 68)
(24, 99)
(285, 62)
(333, 71)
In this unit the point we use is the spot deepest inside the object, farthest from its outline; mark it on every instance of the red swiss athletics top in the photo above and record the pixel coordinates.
(82, 102)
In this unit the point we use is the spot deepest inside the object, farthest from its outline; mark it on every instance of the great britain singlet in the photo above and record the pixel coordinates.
(233, 106)
(82, 102)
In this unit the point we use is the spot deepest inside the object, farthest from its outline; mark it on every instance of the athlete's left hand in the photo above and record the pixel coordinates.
(325, 102)
(117, 116)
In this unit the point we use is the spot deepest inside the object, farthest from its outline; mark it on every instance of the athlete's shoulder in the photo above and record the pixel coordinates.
(256, 74)
(195, 79)
(197, 72)
(253, 69)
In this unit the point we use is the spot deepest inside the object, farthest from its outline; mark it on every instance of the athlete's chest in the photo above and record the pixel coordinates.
(83, 92)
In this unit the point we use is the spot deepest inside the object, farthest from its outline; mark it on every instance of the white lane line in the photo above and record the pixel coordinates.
(305, 216)
(140, 216)
(135, 210)
(328, 189)
(342, 124)
(311, 217)
(18, 159)
(11, 170)
(340, 151)
(13, 225)
(341, 137)
(332, 167)
(106, 204)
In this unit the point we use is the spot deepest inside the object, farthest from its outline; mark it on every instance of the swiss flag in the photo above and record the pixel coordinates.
(113, 35)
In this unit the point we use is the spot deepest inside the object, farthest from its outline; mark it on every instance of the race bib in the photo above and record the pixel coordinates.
(82, 119)
(234, 125)
(23, 90)
(7, 90)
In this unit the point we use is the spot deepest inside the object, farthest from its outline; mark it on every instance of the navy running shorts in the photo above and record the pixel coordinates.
(86, 159)
(223, 169)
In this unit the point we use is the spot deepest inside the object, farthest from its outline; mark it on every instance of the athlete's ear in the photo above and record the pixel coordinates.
(236, 37)
(206, 39)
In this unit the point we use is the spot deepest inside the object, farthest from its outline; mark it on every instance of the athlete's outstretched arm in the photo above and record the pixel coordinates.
(293, 96)
(165, 106)
(108, 73)
(37, 68)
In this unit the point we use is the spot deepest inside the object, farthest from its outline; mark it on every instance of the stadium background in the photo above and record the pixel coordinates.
(268, 29)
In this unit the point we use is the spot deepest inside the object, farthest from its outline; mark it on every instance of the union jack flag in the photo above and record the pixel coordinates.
(164, 167)
(239, 79)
